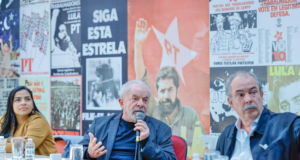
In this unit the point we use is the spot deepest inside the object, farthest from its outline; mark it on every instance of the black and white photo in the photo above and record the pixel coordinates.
(103, 83)
(232, 32)
(65, 102)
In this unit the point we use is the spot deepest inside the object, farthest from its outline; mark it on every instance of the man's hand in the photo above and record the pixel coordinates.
(143, 128)
(1, 41)
(141, 31)
(93, 150)
(10, 38)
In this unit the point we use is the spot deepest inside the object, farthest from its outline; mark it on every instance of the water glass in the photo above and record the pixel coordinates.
(76, 152)
(55, 156)
(211, 155)
(223, 158)
(17, 146)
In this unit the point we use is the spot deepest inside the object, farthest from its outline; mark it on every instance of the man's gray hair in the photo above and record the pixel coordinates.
(244, 73)
(128, 85)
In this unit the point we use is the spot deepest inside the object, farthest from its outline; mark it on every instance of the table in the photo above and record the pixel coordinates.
(37, 157)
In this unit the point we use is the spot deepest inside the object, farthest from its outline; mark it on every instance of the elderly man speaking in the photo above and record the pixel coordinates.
(258, 134)
(114, 137)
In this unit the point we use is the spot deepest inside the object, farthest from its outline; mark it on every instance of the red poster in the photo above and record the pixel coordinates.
(166, 35)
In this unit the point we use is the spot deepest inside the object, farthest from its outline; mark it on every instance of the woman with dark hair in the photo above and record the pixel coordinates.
(23, 119)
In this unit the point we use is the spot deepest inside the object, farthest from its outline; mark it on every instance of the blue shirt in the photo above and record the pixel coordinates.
(124, 145)
(242, 149)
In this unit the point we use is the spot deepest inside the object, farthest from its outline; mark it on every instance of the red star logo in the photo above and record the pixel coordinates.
(278, 36)
(232, 0)
(76, 81)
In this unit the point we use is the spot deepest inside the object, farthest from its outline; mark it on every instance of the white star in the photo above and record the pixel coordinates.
(2, 29)
(174, 53)
(11, 17)
(14, 23)
(0, 22)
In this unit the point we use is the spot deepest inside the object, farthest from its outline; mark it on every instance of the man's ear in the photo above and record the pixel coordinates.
(229, 100)
(121, 102)
(177, 89)
(262, 94)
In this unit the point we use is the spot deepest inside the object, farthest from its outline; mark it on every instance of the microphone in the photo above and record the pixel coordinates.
(139, 116)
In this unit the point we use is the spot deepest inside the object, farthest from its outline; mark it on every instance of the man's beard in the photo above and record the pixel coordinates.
(131, 113)
(168, 109)
(63, 45)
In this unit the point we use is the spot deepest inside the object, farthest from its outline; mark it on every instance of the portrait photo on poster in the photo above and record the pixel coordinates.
(103, 83)
(282, 83)
(65, 37)
(233, 32)
(65, 103)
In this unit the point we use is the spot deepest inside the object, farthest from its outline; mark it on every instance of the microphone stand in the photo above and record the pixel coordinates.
(137, 146)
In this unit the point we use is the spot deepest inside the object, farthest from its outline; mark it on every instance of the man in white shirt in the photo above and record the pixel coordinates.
(258, 133)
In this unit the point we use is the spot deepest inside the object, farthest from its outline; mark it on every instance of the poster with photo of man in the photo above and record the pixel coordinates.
(65, 38)
(169, 52)
(284, 83)
(221, 113)
(103, 58)
(65, 104)
(103, 81)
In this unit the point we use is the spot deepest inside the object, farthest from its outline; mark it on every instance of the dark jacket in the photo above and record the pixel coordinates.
(159, 145)
(279, 131)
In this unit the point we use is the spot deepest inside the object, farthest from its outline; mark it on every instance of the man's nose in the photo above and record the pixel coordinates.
(140, 103)
(248, 98)
(166, 94)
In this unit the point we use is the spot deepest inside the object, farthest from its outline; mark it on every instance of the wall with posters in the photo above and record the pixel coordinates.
(256, 36)
(75, 56)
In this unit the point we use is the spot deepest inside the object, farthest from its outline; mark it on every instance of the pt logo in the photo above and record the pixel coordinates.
(278, 48)
(171, 49)
(26, 64)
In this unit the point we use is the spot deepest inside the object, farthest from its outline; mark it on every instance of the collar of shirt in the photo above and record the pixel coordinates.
(242, 144)
(253, 126)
